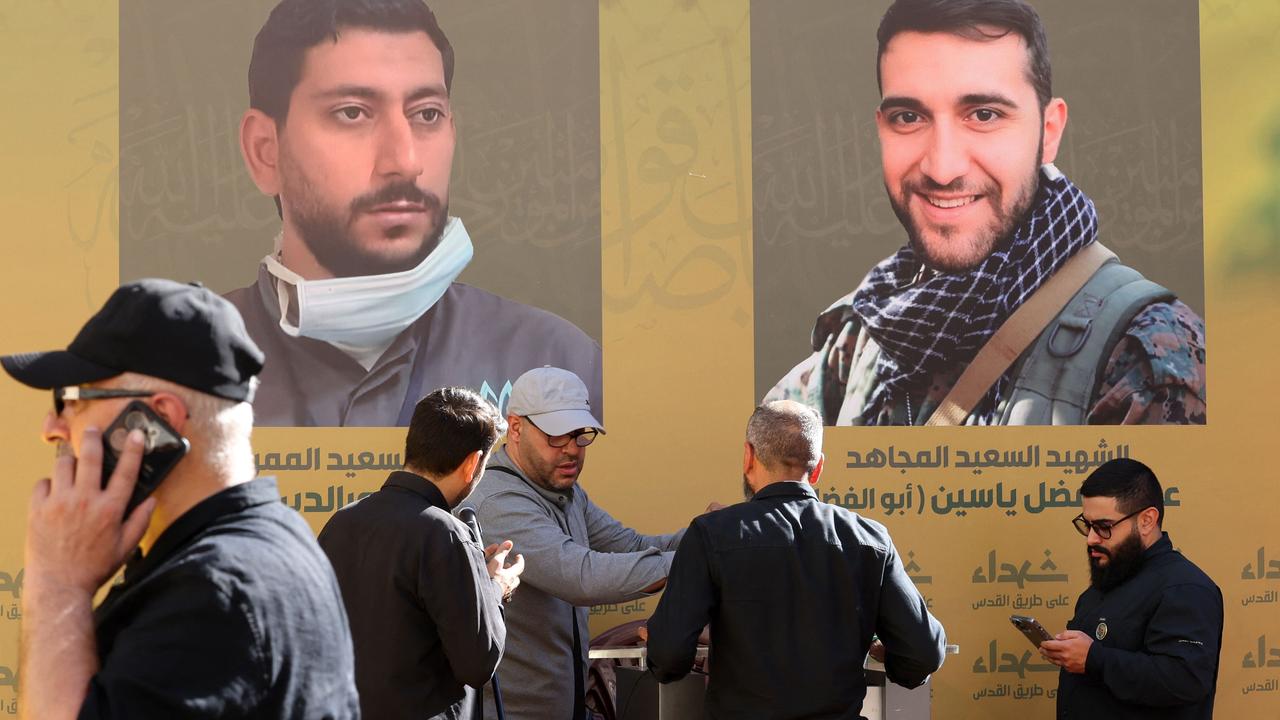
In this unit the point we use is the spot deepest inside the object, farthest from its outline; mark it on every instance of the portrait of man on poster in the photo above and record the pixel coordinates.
(1003, 307)
(351, 130)
(513, 155)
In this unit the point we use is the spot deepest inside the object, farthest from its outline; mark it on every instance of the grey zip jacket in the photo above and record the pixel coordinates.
(576, 555)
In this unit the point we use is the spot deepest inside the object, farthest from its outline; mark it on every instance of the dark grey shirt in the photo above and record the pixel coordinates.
(425, 616)
(793, 589)
(469, 338)
(233, 614)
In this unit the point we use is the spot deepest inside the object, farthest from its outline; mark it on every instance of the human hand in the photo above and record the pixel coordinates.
(1068, 650)
(876, 651)
(714, 506)
(77, 535)
(507, 576)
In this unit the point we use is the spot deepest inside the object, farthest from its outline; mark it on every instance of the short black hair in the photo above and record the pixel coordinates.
(447, 426)
(295, 26)
(973, 20)
(1131, 483)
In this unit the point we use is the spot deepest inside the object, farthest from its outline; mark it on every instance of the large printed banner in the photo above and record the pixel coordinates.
(675, 191)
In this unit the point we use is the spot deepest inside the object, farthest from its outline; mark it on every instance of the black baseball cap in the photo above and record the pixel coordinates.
(183, 333)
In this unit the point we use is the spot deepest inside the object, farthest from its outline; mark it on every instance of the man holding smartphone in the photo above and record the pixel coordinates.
(1146, 635)
(227, 608)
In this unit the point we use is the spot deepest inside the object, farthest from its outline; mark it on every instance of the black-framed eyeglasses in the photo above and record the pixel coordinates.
(1102, 527)
(75, 392)
(581, 438)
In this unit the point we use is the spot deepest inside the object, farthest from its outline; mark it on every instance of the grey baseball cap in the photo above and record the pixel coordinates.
(554, 399)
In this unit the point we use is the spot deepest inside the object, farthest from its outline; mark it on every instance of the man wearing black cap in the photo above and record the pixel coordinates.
(227, 607)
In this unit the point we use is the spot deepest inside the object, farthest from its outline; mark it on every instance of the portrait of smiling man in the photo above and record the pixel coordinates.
(1003, 307)
(351, 130)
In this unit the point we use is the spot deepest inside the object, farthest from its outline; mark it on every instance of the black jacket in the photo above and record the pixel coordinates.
(794, 589)
(233, 614)
(1156, 642)
(426, 618)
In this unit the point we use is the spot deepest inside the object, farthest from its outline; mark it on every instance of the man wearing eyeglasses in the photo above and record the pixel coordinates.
(576, 554)
(224, 586)
(1145, 638)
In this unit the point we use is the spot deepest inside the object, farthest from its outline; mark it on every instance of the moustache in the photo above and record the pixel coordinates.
(925, 184)
(403, 191)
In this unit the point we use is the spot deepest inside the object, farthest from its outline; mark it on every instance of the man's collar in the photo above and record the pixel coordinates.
(259, 491)
(784, 488)
(418, 485)
(1159, 547)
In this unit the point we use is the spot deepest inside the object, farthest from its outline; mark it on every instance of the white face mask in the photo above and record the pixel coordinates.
(360, 313)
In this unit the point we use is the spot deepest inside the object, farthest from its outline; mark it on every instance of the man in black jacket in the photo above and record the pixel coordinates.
(425, 611)
(794, 590)
(1146, 635)
(226, 608)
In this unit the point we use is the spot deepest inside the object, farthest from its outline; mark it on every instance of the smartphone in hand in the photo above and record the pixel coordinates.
(1031, 628)
(162, 448)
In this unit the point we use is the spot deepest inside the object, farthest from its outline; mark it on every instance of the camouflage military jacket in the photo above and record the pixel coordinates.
(1154, 375)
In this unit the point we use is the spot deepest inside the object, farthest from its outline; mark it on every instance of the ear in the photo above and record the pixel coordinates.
(748, 457)
(1148, 521)
(1055, 123)
(172, 409)
(817, 470)
(469, 465)
(260, 148)
(514, 428)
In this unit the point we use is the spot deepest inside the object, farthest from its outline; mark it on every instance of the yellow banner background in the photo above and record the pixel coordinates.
(677, 329)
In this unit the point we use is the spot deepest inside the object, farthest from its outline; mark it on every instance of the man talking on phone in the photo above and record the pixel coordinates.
(227, 607)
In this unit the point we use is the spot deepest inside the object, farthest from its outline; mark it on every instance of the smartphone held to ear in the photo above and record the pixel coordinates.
(163, 447)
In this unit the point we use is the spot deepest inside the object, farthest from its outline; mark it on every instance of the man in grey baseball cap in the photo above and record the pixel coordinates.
(576, 554)
(554, 402)
(223, 585)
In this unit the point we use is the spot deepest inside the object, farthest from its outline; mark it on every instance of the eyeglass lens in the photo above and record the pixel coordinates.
(581, 438)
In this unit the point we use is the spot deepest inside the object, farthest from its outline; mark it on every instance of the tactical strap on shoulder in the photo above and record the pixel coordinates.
(1055, 381)
(1017, 333)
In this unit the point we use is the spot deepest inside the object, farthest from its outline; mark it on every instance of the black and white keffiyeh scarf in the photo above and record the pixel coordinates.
(942, 321)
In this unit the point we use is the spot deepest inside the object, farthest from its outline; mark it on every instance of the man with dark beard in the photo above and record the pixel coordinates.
(1145, 637)
(350, 129)
(1002, 308)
